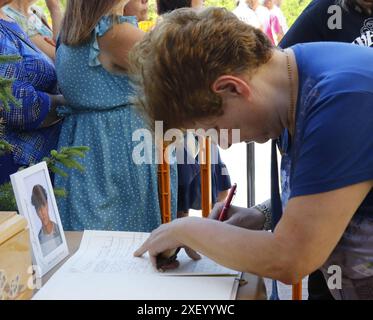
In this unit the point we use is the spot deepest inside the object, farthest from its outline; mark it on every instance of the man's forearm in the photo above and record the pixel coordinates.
(257, 252)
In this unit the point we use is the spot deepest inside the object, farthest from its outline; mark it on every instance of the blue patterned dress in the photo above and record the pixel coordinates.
(34, 77)
(114, 193)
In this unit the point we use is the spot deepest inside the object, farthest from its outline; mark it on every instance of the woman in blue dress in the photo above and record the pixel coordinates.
(33, 127)
(113, 193)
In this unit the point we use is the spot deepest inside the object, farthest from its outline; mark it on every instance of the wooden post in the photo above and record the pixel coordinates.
(297, 291)
(164, 187)
(205, 168)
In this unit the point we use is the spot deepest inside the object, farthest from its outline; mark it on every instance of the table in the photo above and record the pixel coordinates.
(252, 289)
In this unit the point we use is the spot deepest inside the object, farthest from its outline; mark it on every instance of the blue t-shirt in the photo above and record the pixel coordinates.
(333, 147)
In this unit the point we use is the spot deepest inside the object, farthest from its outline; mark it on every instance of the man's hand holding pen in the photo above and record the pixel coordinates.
(163, 244)
(248, 218)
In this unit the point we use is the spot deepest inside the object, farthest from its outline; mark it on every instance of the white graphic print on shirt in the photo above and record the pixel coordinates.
(366, 38)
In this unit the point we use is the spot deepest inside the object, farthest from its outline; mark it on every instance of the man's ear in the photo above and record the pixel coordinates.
(230, 85)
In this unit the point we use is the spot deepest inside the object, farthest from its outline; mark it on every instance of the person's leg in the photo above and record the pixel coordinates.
(317, 287)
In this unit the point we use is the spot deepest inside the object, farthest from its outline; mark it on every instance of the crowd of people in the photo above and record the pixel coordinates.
(92, 77)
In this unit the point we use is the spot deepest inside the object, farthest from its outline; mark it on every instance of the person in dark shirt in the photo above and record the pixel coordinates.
(333, 20)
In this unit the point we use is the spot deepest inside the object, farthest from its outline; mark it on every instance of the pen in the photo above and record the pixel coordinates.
(227, 202)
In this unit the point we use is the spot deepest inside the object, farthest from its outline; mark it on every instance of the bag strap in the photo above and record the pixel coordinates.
(276, 205)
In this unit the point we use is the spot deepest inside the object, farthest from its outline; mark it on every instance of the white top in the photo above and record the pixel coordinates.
(281, 18)
(263, 15)
(49, 242)
(245, 14)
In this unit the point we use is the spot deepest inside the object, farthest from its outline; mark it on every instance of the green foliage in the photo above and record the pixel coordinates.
(5, 147)
(7, 199)
(65, 158)
(293, 8)
(41, 3)
(60, 192)
(229, 4)
(6, 95)
(9, 59)
(152, 16)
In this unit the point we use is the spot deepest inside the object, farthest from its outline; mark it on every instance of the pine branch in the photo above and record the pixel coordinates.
(9, 59)
(6, 95)
(7, 199)
(65, 157)
(5, 147)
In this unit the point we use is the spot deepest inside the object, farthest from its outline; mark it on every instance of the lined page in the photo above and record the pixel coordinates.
(112, 252)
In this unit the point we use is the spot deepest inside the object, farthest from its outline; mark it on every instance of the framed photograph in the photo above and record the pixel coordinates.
(36, 202)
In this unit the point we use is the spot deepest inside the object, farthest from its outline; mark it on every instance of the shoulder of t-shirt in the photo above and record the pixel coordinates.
(325, 107)
(342, 95)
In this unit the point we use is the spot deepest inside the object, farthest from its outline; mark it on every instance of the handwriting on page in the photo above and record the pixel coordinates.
(100, 253)
(112, 252)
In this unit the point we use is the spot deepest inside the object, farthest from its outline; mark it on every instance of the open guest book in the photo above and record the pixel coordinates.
(104, 268)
